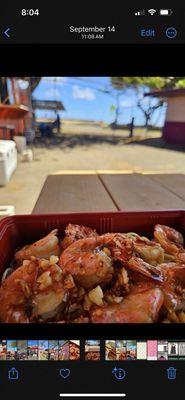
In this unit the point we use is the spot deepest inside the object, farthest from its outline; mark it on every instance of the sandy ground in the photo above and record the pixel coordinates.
(142, 156)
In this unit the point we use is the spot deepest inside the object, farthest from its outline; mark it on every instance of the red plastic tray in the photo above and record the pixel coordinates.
(19, 230)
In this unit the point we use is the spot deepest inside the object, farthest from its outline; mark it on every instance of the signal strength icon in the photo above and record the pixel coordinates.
(139, 13)
(152, 11)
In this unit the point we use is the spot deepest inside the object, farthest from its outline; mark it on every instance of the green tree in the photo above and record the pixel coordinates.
(143, 85)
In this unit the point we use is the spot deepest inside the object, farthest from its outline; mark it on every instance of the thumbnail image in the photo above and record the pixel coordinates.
(92, 350)
(43, 351)
(22, 350)
(63, 350)
(141, 351)
(162, 346)
(121, 350)
(110, 350)
(11, 350)
(2, 350)
(53, 350)
(162, 350)
(173, 350)
(74, 350)
(32, 350)
(152, 350)
(182, 350)
(131, 349)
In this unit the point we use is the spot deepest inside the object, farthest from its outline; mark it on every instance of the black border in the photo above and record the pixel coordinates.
(92, 60)
(93, 331)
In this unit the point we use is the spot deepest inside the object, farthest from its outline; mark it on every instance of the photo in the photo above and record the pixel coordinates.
(162, 346)
(92, 350)
(131, 350)
(162, 350)
(173, 350)
(75, 146)
(33, 350)
(152, 350)
(2, 350)
(64, 350)
(74, 350)
(11, 349)
(141, 350)
(121, 350)
(22, 350)
(110, 350)
(182, 350)
(53, 350)
(43, 353)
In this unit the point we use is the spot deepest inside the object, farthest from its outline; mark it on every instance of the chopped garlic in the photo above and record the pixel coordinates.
(45, 280)
(96, 296)
(53, 260)
(43, 264)
(125, 276)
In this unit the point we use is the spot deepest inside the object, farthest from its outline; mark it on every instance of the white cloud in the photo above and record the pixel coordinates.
(51, 94)
(83, 93)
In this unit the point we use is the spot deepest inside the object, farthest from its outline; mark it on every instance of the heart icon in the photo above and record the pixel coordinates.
(64, 373)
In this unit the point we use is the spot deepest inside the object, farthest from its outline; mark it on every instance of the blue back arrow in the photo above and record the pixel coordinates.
(7, 32)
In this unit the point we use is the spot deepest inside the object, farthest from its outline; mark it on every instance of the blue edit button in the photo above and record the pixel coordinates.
(147, 33)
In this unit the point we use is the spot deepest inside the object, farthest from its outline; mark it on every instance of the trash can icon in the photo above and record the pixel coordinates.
(171, 373)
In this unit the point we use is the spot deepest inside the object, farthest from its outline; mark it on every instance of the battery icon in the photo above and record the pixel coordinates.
(166, 12)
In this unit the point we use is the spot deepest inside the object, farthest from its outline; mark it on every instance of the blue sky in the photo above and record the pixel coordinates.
(83, 99)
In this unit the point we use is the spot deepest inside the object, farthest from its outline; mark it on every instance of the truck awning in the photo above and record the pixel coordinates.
(52, 105)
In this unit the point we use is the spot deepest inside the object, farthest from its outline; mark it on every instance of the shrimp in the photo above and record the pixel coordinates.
(35, 289)
(76, 232)
(123, 246)
(90, 260)
(87, 262)
(136, 264)
(173, 273)
(149, 251)
(120, 246)
(50, 294)
(171, 282)
(135, 308)
(43, 248)
(171, 240)
(15, 293)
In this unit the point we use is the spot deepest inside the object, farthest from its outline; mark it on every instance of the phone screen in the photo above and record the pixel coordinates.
(92, 201)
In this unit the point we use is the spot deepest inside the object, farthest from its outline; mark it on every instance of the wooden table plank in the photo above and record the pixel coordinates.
(67, 193)
(175, 183)
(141, 192)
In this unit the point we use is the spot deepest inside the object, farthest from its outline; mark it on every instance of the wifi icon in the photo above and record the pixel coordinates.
(152, 11)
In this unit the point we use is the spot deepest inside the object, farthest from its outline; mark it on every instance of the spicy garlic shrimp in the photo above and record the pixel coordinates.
(34, 290)
(90, 260)
(44, 248)
(74, 232)
(169, 277)
(171, 240)
(145, 269)
(135, 308)
(149, 251)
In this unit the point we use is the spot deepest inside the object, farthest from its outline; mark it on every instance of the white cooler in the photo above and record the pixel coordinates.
(8, 160)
